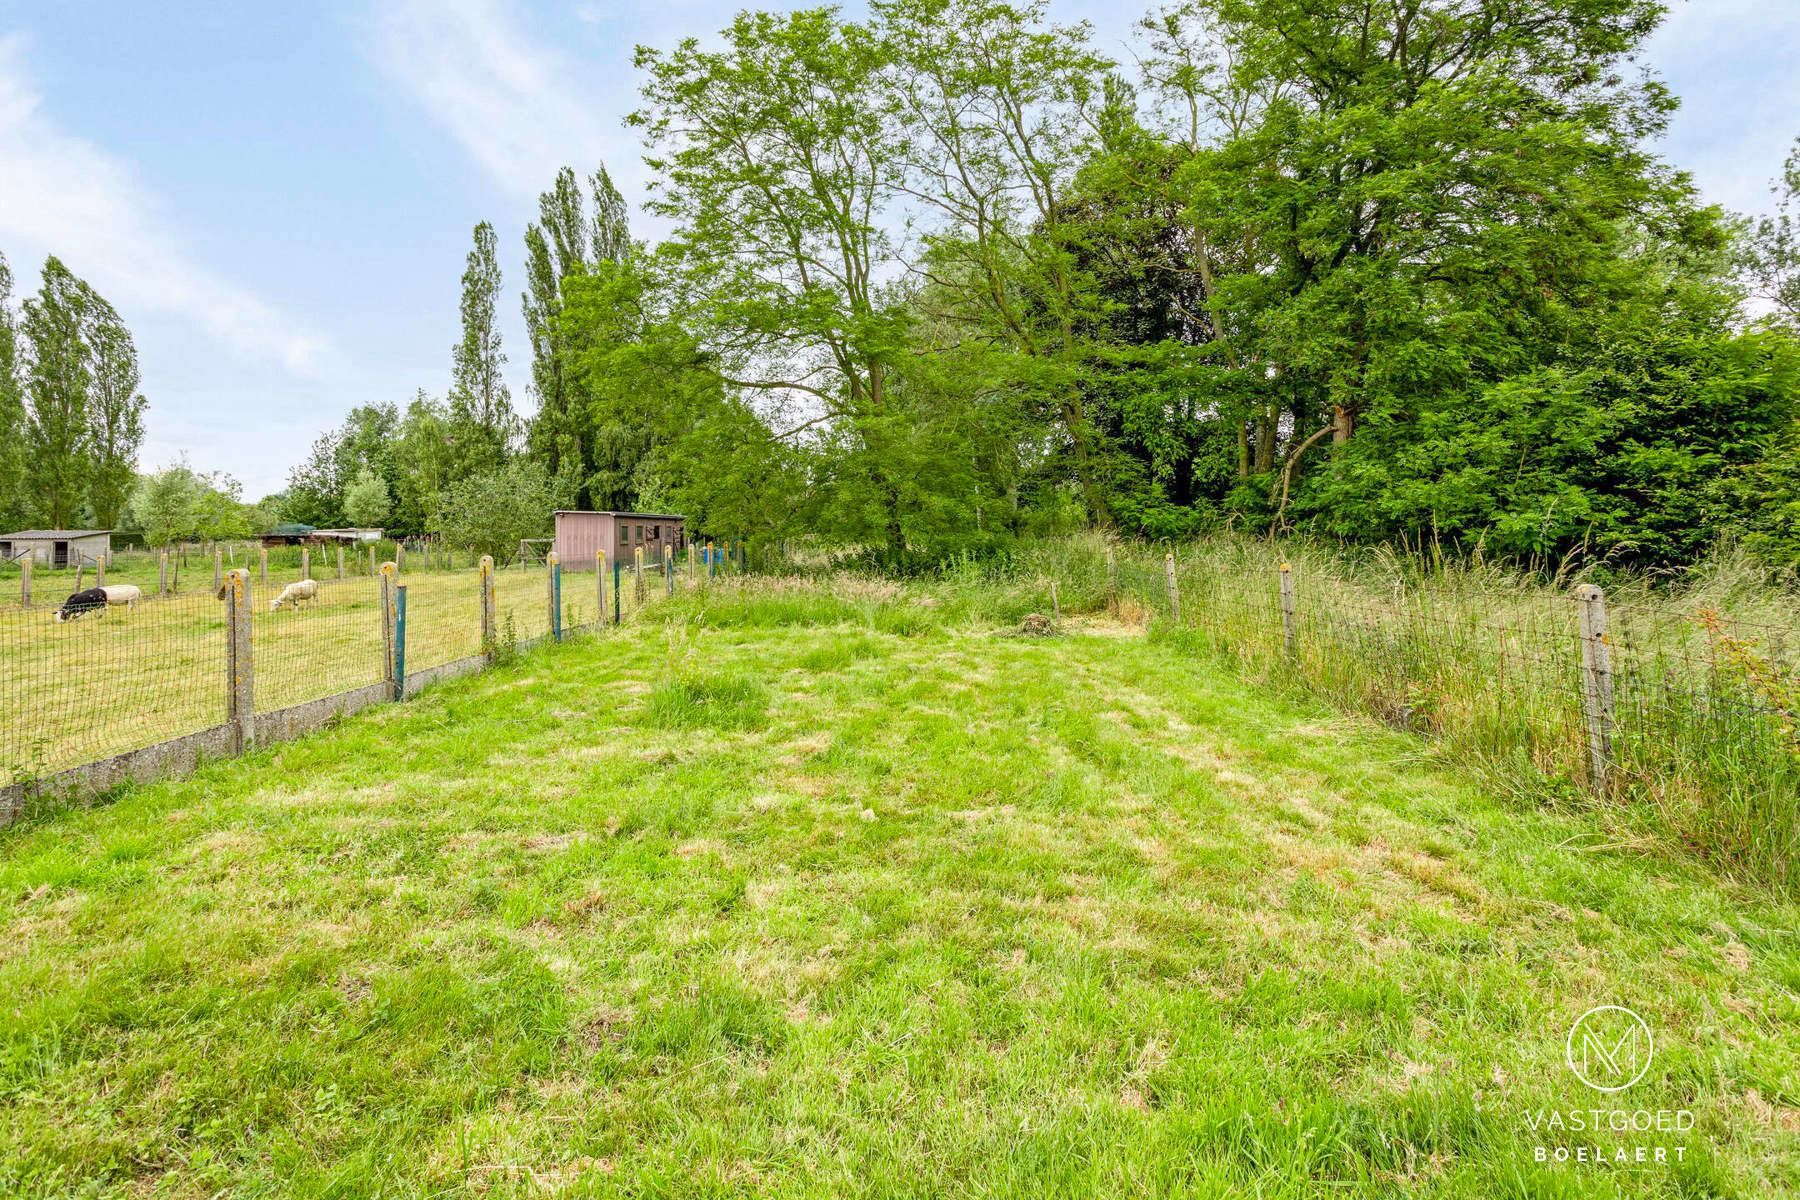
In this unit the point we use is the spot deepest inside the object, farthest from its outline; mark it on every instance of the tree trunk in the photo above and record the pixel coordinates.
(1342, 424)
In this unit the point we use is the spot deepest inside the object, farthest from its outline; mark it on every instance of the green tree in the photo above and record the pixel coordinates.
(14, 510)
(315, 487)
(482, 421)
(59, 374)
(115, 413)
(366, 501)
(166, 505)
(423, 456)
(492, 512)
(1771, 250)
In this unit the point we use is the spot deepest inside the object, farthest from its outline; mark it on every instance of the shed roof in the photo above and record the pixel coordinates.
(588, 512)
(26, 535)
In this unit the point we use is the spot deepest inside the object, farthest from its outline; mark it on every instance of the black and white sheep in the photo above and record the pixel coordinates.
(96, 599)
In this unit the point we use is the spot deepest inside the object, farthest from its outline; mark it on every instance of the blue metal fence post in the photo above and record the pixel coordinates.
(555, 598)
(400, 642)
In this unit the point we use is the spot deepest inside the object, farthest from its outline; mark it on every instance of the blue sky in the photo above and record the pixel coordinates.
(279, 198)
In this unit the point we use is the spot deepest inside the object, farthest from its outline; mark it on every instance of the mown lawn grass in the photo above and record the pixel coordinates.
(826, 896)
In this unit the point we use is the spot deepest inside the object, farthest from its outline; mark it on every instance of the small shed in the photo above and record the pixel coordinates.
(580, 535)
(58, 547)
(288, 533)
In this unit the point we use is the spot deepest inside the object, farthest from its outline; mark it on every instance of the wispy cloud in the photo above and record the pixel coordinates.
(63, 195)
(518, 107)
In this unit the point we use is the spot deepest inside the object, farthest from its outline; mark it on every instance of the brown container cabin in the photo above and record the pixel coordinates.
(580, 534)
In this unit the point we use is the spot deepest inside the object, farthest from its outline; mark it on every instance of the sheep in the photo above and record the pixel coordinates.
(296, 594)
(96, 599)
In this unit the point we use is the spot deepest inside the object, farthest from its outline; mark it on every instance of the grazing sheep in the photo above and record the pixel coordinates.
(296, 594)
(96, 599)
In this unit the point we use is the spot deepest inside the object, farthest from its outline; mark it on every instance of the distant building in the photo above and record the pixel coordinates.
(346, 535)
(580, 535)
(58, 547)
(292, 533)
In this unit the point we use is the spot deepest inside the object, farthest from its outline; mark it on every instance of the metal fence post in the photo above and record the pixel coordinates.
(1174, 592)
(1287, 609)
(1597, 683)
(553, 585)
(617, 603)
(240, 679)
(487, 606)
(399, 641)
(599, 587)
(388, 572)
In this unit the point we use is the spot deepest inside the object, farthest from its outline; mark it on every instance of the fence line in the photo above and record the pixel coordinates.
(146, 690)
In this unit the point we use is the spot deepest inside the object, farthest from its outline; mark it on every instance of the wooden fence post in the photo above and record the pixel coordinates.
(218, 569)
(240, 678)
(1174, 592)
(1597, 683)
(162, 573)
(553, 585)
(25, 581)
(80, 570)
(488, 642)
(340, 551)
(1287, 609)
(388, 573)
(1112, 581)
(100, 572)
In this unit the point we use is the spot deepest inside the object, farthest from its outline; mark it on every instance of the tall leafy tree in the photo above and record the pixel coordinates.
(13, 506)
(1771, 251)
(59, 375)
(115, 413)
(483, 424)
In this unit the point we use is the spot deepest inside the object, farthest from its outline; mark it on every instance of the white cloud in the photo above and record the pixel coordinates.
(63, 195)
(518, 108)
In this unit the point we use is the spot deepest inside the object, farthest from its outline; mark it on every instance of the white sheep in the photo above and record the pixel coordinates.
(97, 599)
(296, 593)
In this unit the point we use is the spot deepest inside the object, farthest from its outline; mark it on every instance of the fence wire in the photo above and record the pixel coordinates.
(309, 649)
(107, 682)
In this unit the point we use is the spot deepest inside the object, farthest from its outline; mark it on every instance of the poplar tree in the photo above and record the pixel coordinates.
(12, 410)
(483, 424)
(115, 417)
(59, 375)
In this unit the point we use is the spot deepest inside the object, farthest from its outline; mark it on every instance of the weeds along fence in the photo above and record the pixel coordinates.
(149, 688)
(1689, 709)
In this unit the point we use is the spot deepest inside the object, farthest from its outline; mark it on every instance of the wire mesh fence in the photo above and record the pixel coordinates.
(109, 680)
(124, 677)
(1692, 709)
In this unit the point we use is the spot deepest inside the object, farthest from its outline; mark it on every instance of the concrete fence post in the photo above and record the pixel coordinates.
(1287, 609)
(693, 565)
(712, 560)
(668, 565)
(1596, 683)
(25, 581)
(1112, 581)
(340, 551)
(399, 556)
(389, 572)
(100, 572)
(240, 677)
(488, 633)
(553, 586)
(371, 561)
(1174, 590)
(80, 570)
(162, 572)
(637, 586)
(218, 569)
(262, 566)
(305, 562)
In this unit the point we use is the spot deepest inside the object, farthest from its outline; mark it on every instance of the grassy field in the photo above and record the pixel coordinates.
(81, 690)
(782, 893)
